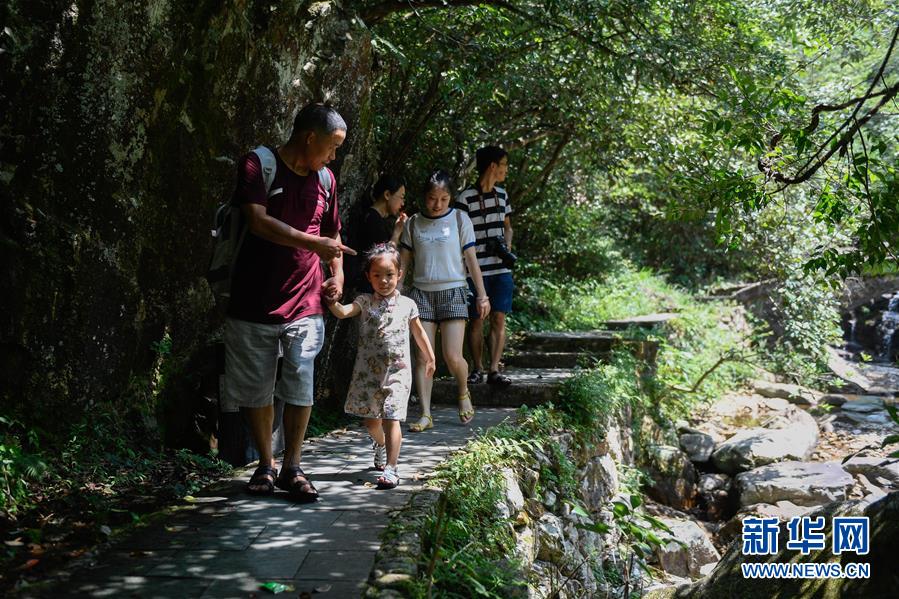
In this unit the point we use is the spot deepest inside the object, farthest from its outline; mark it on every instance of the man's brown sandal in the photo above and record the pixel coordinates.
(500, 380)
(265, 477)
(300, 490)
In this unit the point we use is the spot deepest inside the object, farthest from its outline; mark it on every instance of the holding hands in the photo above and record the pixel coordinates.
(332, 289)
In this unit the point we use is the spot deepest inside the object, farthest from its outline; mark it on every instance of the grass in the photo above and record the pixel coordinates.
(545, 303)
(471, 545)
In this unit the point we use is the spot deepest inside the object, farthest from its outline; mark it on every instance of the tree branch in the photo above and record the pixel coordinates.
(817, 160)
(379, 11)
(541, 179)
(727, 357)
(376, 13)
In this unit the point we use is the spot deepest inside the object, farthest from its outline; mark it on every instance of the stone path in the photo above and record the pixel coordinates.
(225, 543)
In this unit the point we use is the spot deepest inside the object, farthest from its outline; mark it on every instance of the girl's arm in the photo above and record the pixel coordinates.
(344, 311)
(398, 228)
(424, 344)
(405, 260)
(471, 260)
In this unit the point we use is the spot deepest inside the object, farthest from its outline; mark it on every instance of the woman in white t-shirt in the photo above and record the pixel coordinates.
(440, 241)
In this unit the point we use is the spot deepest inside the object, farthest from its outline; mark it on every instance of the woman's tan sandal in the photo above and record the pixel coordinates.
(423, 424)
(466, 416)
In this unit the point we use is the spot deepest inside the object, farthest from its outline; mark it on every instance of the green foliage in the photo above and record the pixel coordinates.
(470, 543)
(469, 539)
(703, 335)
(795, 135)
(570, 236)
(894, 438)
(590, 399)
(561, 475)
(545, 301)
(322, 422)
(639, 533)
(801, 315)
(21, 466)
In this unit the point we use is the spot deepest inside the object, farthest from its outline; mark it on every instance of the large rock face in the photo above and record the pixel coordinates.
(118, 142)
(727, 579)
(673, 479)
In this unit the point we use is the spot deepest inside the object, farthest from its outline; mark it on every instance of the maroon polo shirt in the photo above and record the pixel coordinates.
(272, 283)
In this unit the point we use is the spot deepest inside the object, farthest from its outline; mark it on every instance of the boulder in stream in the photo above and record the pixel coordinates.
(754, 447)
(697, 446)
(672, 475)
(795, 394)
(863, 404)
(689, 553)
(803, 483)
(878, 470)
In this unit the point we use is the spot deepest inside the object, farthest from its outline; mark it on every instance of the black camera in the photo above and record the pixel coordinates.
(497, 247)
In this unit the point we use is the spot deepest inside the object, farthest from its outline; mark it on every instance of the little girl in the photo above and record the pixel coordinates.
(382, 376)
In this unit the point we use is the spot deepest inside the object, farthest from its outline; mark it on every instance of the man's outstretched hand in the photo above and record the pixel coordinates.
(329, 248)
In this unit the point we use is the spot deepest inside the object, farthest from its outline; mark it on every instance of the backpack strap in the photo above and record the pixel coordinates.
(325, 180)
(269, 165)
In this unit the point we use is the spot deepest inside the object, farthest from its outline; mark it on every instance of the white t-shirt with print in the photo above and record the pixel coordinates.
(437, 245)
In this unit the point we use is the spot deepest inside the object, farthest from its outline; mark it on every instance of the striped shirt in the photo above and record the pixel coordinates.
(487, 212)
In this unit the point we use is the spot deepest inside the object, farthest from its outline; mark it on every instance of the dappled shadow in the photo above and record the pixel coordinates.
(224, 542)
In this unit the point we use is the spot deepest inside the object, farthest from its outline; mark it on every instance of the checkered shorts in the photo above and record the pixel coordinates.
(437, 306)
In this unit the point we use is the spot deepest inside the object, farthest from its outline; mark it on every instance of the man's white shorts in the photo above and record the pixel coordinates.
(251, 361)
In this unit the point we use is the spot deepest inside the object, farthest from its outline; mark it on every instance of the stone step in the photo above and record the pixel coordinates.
(537, 359)
(597, 342)
(648, 321)
(530, 387)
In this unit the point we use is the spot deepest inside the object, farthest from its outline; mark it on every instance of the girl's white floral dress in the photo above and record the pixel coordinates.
(382, 375)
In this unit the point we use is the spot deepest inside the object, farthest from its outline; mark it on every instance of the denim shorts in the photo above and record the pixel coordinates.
(499, 289)
(251, 361)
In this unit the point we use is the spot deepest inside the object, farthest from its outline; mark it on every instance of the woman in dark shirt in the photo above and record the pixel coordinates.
(388, 196)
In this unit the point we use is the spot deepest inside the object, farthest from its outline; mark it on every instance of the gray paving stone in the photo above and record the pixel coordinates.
(139, 586)
(225, 543)
(267, 563)
(337, 565)
(252, 586)
(117, 564)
